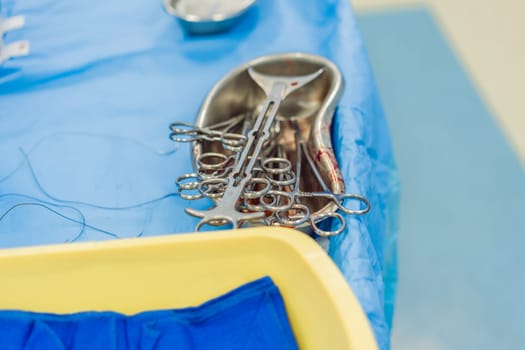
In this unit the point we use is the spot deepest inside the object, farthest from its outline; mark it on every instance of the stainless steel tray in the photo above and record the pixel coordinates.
(312, 107)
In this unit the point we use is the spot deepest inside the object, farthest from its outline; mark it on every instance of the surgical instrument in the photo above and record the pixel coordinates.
(276, 89)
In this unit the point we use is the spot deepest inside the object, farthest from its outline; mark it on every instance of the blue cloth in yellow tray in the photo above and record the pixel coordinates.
(252, 316)
(84, 124)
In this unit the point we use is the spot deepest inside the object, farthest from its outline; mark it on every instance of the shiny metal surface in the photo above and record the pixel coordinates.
(310, 109)
(184, 132)
(207, 16)
(227, 209)
(298, 213)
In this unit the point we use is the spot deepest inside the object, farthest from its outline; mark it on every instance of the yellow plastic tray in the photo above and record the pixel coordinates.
(134, 275)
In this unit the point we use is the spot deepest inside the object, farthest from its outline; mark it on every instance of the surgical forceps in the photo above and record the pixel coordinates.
(302, 213)
(185, 132)
(210, 178)
(276, 88)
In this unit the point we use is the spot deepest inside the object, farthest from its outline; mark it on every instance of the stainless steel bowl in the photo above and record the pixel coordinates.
(312, 107)
(207, 16)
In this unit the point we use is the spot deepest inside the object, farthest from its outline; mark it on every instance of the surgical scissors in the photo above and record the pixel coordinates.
(337, 198)
(220, 132)
(301, 212)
